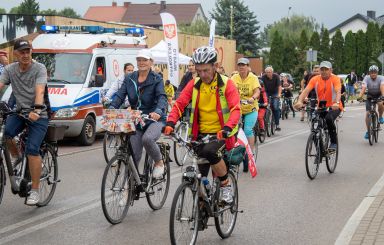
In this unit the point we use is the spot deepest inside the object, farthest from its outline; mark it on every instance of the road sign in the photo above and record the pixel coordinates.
(311, 55)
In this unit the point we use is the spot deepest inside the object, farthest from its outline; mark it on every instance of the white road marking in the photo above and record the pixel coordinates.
(353, 222)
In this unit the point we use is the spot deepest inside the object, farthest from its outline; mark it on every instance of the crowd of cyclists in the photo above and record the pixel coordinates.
(213, 103)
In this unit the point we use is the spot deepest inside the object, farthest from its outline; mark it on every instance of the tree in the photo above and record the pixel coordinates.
(303, 42)
(361, 53)
(245, 25)
(3, 11)
(69, 12)
(325, 51)
(198, 27)
(349, 51)
(292, 27)
(276, 52)
(314, 42)
(337, 52)
(48, 12)
(382, 38)
(29, 7)
(373, 42)
(289, 57)
(14, 10)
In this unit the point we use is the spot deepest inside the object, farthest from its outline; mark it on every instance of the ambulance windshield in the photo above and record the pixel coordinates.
(65, 67)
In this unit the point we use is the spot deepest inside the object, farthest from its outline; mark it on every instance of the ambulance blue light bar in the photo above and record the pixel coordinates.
(92, 29)
(49, 29)
(135, 31)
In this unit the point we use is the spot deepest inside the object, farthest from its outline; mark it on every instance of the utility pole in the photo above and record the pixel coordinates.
(231, 25)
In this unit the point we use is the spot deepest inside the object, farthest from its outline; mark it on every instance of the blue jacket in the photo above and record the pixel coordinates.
(149, 98)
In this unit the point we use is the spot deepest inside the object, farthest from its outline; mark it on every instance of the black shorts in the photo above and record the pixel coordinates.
(368, 103)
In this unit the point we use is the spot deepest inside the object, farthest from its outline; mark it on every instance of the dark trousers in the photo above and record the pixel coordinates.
(330, 120)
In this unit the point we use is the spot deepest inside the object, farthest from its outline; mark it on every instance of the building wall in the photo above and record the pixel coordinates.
(353, 26)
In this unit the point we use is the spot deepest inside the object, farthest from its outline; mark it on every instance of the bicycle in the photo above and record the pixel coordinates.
(110, 145)
(373, 121)
(122, 183)
(318, 143)
(285, 108)
(18, 172)
(271, 117)
(195, 201)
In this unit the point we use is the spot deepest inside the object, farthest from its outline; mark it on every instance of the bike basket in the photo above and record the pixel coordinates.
(55, 132)
(118, 120)
(235, 156)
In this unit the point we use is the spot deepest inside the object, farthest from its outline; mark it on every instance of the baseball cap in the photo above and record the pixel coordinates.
(244, 61)
(144, 53)
(326, 64)
(21, 44)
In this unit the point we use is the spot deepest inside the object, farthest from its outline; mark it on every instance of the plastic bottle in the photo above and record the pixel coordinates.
(207, 185)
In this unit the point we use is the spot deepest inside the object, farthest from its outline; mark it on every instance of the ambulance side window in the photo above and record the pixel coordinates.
(99, 71)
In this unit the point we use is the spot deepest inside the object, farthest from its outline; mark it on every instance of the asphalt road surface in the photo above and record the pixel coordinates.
(281, 205)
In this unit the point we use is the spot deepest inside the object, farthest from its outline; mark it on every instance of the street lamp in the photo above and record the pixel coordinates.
(231, 25)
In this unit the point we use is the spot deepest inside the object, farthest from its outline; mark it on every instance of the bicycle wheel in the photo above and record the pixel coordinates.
(260, 135)
(111, 142)
(376, 127)
(225, 220)
(312, 156)
(331, 159)
(184, 218)
(272, 124)
(116, 190)
(158, 188)
(49, 175)
(283, 111)
(256, 150)
(370, 130)
(180, 152)
(2, 181)
(267, 123)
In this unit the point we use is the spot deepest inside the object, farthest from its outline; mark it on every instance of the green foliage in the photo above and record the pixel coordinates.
(3, 11)
(337, 52)
(373, 42)
(245, 25)
(48, 12)
(29, 7)
(292, 27)
(361, 53)
(198, 27)
(349, 51)
(314, 42)
(325, 50)
(14, 10)
(303, 42)
(289, 56)
(276, 52)
(69, 12)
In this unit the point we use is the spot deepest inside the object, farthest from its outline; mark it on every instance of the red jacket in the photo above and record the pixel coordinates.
(233, 101)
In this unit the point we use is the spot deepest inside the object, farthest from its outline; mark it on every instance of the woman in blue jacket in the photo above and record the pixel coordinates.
(145, 91)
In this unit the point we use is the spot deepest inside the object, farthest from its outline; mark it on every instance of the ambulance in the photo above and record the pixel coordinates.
(82, 62)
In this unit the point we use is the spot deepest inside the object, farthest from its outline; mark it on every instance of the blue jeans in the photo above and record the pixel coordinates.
(350, 90)
(275, 107)
(36, 132)
(249, 122)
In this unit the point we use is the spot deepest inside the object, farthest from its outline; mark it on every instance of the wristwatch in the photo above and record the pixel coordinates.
(37, 111)
(338, 102)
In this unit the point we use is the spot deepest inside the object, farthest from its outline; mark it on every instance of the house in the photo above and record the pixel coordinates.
(356, 23)
(145, 14)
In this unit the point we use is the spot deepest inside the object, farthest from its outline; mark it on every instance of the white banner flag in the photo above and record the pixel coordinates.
(212, 33)
(170, 36)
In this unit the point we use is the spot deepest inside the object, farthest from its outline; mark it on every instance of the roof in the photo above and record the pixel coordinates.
(364, 18)
(149, 14)
(380, 20)
(105, 13)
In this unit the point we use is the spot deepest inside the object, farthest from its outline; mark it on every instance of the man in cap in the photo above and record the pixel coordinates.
(28, 80)
(328, 88)
(3, 60)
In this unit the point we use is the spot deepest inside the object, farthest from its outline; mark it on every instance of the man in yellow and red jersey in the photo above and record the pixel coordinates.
(328, 87)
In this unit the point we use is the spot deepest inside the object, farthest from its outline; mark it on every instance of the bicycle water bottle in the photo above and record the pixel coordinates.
(206, 185)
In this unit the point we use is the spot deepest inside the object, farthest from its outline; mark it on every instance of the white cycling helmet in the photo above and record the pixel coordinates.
(373, 68)
(204, 55)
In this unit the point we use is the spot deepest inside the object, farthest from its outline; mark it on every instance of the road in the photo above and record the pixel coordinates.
(281, 205)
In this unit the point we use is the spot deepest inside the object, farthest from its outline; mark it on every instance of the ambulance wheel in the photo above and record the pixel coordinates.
(88, 133)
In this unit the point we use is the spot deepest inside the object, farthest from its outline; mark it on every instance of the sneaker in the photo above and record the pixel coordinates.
(158, 171)
(332, 147)
(302, 119)
(226, 194)
(381, 120)
(33, 198)
(366, 136)
(278, 128)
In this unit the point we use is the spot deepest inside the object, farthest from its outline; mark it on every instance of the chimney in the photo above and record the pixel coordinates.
(163, 6)
(114, 4)
(371, 14)
(126, 4)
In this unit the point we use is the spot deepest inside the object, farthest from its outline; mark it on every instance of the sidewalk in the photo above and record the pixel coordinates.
(371, 228)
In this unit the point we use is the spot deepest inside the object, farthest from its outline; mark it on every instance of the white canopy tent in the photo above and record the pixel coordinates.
(159, 53)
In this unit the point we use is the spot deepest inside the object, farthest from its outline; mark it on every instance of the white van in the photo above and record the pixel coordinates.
(81, 67)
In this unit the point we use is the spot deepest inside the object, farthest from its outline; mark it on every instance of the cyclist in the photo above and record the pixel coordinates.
(287, 86)
(249, 89)
(351, 80)
(375, 85)
(169, 91)
(128, 69)
(263, 103)
(304, 83)
(328, 87)
(273, 88)
(28, 79)
(216, 110)
(145, 91)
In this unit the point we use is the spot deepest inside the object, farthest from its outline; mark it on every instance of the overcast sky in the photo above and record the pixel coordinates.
(328, 12)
